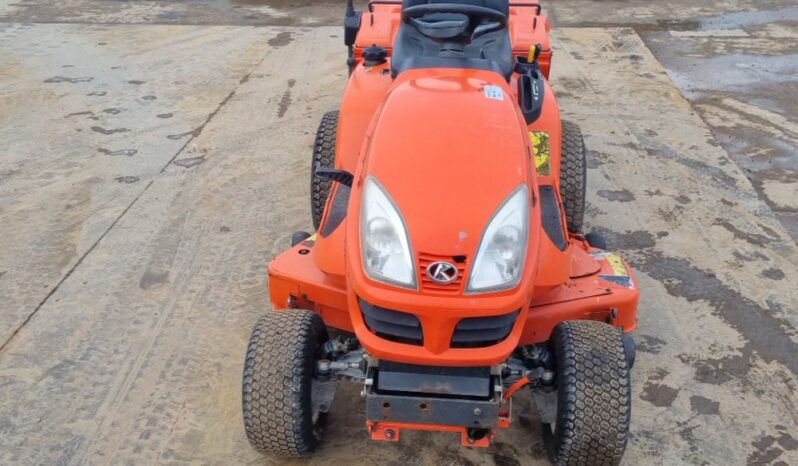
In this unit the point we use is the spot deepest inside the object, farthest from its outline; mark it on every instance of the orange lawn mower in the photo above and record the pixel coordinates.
(448, 269)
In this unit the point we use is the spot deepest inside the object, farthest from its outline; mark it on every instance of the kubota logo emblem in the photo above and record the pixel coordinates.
(442, 272)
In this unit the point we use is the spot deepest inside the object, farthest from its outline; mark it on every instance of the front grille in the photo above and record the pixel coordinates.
(477, 332)
(424, 260)
(397, 326)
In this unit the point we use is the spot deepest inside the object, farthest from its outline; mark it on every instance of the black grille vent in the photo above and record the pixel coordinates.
(400, 327)
(477, 332)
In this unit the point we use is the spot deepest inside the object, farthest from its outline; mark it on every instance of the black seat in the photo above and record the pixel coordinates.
(491, 51)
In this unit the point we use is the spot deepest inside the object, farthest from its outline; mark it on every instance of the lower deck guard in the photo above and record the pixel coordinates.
(480, 414)
(454, 396)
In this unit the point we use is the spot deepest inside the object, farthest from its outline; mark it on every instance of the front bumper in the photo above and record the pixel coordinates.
(610, 295)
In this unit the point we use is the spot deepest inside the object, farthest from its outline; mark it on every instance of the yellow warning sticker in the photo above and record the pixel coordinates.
(540, 144)
(618, 267)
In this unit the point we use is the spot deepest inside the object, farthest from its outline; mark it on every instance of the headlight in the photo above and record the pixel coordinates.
(384, 245)
(502, 249)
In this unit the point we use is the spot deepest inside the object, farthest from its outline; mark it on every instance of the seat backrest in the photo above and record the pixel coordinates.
(499, 5)
(491, 51)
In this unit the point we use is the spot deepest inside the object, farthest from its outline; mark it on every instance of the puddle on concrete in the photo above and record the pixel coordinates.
(739, 19)
(746, 90)
(726, 21)
(733, 20)
(281, 4)
(733, 72)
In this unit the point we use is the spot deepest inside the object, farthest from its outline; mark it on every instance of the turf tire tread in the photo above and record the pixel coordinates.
(323, 154)
(277, 381)
(594, 394)
(573, 176)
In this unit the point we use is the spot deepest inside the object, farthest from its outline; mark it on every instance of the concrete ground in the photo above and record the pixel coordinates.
(736, 61)
(156, 156)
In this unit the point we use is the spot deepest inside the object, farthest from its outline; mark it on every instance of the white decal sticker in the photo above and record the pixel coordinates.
(494, 92)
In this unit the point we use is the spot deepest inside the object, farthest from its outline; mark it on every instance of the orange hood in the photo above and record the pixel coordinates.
(449, 146)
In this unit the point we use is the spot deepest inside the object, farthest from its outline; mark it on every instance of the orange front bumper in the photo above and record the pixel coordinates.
(295, 281)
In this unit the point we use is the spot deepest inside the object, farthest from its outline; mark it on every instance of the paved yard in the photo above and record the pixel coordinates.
(156, 156)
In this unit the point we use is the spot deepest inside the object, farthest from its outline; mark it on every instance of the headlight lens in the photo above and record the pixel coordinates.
(502, 249)
(384, 245)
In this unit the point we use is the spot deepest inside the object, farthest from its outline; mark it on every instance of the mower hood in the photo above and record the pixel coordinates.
(449, 146)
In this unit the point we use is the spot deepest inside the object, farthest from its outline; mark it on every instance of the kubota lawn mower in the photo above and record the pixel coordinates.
(448, 269)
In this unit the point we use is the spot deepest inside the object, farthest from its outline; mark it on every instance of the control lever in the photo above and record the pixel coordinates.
(530, 84)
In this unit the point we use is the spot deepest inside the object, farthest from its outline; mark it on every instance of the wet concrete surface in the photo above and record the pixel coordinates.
(737, 62)
(133, 255)
(198, 12)
(79, 120)
(744, 86)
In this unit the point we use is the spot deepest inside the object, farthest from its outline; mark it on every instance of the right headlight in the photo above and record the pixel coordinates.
(500, 257)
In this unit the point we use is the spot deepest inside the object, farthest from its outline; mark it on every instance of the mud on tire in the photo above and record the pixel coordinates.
(573, 176)
(323, 154)
(593, 395)
(276, 390)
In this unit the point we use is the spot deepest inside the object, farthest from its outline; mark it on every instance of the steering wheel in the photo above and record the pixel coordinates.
(454, 19)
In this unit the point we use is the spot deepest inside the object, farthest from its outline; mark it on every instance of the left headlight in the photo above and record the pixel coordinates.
(384, 245)
(500, 257)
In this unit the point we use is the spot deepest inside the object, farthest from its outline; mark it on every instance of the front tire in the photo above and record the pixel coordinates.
(593, 395)
(277, 385)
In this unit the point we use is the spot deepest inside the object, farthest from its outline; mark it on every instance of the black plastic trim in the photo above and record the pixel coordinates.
(531, 87)
(550, 213)
(396, 377)
(401, 327)
(629, 350)
(338, 208)
(475, 332)
(351, 27)
(419, 62)
(334, 174)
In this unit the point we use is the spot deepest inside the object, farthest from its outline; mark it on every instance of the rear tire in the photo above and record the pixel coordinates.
(593, 395)
(324, 155)
(573, 176)
(276, 390)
